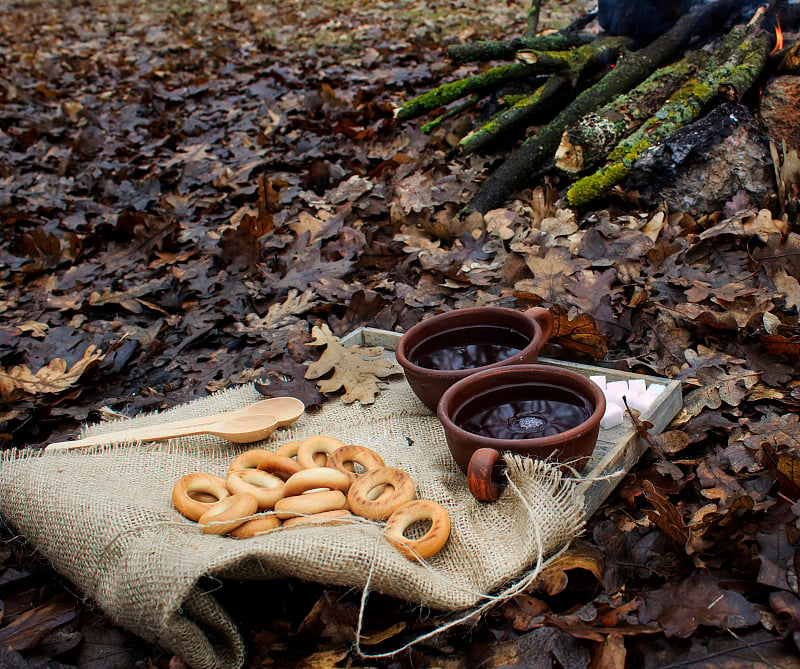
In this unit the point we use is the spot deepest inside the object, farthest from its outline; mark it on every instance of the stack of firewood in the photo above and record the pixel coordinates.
(616, 98)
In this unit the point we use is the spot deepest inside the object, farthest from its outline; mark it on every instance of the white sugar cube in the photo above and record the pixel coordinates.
(612, 417)
(653, 392)
(615, 390)
(636, 387)
(637, 395)
(600, 381)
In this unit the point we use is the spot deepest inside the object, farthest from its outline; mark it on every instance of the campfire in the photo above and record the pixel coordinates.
(626, 82)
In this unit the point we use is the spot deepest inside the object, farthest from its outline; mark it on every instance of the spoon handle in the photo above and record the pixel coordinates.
(168, 431)
(174, 429)
(150, 433)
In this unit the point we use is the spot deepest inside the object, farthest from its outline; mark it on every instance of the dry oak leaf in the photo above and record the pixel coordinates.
(680, 608)
(553, 274)
(719, 386)
(52, 378)
(750, 223)
(789, 287)
(280, 313)
(356, 369)
(578, 334)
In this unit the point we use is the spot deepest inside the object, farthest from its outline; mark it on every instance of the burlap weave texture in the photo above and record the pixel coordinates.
(104, 518)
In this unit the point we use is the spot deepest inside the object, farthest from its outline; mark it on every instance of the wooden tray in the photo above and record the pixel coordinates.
(618, 448)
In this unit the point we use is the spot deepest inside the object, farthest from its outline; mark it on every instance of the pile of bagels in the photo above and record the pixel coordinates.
(317, 480)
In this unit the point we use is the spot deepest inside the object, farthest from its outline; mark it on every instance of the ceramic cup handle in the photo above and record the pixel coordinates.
(484, 474)
(545, 320)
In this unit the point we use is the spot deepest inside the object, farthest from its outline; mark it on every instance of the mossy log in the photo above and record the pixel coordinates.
(507, 49)
(587, 143)
(511, 119)
(532, 18)
(628, 73)
(585, 59)
(571, 62)
(460, 108)
(739, 71)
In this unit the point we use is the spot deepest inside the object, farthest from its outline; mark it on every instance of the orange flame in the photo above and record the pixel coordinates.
(778, 38)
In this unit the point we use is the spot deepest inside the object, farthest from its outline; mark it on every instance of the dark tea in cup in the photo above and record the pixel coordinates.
(528, 411)
(442, 350)
(477, 346)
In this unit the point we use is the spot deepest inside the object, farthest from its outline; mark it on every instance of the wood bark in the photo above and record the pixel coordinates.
(532, 18)
(507, 49)
(572, 63)
(738, 72)
(511, 119)
(588, 142)
(629, 72)
(587, 58)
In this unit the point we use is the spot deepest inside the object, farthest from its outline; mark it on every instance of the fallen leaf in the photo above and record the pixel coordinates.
(552, 274)
(542, 648)
(579, 334)
(356, 369)
(680, 608)
(29, 629)
(746, 224)
(525, 612)
(53, 378)
(665, 515)
(719, 386)
(789, 288)
(610, 653)
(554, 577)
(280, 313)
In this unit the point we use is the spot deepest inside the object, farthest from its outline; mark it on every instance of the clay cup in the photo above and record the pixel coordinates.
(530, 330)
(480, 456)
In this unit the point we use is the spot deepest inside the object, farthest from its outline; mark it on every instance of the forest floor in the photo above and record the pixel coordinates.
(186, 189)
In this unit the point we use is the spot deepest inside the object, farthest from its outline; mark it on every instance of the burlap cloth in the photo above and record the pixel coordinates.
(105, 520)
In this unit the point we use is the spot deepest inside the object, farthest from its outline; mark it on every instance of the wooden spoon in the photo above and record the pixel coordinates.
(251, 423)
(239, 429)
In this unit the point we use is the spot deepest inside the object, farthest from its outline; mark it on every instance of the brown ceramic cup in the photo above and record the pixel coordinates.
(516, 335)
(517, 401)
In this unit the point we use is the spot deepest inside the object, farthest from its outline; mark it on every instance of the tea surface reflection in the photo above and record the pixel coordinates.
(470, 347)
(527, 412)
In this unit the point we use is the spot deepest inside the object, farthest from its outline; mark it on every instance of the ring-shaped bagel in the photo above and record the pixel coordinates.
(265, 487)
(233, 509)
(397, 489)
(255, 526)
(289, 449)
(248, 460)
(283, 467)
(318, 477)
(310, 503)
(335, 517)
(212, 488)
(343, 459)
(314, 451)
(429, 543)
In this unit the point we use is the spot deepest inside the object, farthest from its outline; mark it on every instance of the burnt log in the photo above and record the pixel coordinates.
(589, 141)
(534, 153)
(778, 109)
(736, 73)
(701, 167)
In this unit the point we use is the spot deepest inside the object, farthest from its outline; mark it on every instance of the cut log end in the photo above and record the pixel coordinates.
(569, 156)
